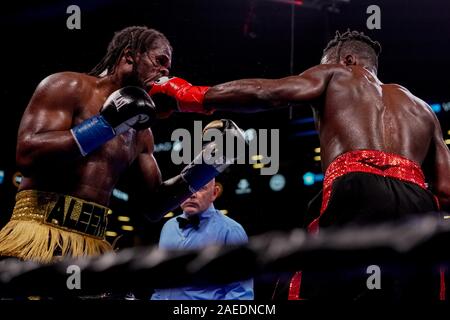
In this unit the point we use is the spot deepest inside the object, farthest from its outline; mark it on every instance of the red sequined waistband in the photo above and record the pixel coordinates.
(375, 162)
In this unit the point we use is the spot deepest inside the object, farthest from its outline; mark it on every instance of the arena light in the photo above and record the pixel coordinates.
(257, 157)
(277, 182)
(169, 215)
(317, 150)
(17, 178)
(447, 141)
(317, 158)
(243, 187)
(303, 120)
(120, 194)
(250, 134)
(258, 165)
(123, 218)
(446, 106)
(224, 211)
(329, 5)
(306, 133)
(163, 146)
(177, 146)
(436, 107)
(2, 176)
(318, 177)
(127, 228)
(111, 234)
(308, 179)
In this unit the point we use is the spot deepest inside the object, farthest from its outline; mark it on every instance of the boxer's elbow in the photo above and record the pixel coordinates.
(443, 195)
(25, 157)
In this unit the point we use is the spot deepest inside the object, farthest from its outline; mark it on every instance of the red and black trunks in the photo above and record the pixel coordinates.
(369, 186)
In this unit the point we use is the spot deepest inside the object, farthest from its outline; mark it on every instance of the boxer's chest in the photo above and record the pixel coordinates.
(122, 149)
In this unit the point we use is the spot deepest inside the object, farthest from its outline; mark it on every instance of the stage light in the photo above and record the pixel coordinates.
(258, 165)
(303, 120)
(243, 187)
(123, 218)
(164, 146)
(250, 134)
(308, 179)
(447, 141)
(127, 228)
(277, 182)
(120, 194)
(317, 158)
(306, 133)
(257, 157)
(2, 176)
(17, 178)
(177, 146)
(446, 106)
(436, 107)
(317, 150)
(169, 215)
(111, 234)
(224, 211)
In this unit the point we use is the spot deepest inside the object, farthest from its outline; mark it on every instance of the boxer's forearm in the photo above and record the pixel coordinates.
(167, 197)
(248, 95)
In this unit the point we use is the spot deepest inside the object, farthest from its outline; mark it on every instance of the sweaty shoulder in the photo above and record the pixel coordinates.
(72, 86)
(66, 81)
(331, 69)
(416, 102)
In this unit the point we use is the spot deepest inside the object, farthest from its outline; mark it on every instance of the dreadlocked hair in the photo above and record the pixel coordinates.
(353, 41)
(137, 39)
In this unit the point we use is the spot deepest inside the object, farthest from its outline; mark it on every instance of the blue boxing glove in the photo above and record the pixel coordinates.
(128, 107)
(212, 161)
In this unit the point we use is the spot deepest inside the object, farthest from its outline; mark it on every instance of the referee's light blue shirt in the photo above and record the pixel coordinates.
(214, 228)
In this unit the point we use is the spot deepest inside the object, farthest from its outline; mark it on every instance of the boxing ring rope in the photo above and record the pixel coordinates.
(421, 240)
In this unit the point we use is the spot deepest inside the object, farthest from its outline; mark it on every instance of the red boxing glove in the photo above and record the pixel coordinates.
(189, 97)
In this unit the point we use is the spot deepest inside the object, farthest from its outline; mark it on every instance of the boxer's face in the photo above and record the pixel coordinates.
(153, 64)
(201, 200)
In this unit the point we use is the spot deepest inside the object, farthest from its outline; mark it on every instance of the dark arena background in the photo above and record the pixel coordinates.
(213, 42)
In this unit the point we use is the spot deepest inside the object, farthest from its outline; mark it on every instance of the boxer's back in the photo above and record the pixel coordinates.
(359, 112)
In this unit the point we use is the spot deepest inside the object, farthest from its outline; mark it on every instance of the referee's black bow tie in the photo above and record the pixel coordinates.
(193, 221)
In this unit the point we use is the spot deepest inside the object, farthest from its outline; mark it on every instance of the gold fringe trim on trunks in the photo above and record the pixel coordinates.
(45, 224)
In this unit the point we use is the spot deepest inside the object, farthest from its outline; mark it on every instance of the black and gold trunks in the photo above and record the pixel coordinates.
(46, 223)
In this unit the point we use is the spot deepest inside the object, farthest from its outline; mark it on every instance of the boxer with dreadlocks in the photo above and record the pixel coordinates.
(77, 136)
(374, 137)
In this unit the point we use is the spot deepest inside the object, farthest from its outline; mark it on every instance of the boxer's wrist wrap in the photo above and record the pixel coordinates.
(92, 133)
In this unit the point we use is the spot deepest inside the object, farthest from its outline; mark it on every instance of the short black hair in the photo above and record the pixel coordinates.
(355, 42)
(138, 38)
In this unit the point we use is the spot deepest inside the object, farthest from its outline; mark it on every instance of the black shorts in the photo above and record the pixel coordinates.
(365, 198)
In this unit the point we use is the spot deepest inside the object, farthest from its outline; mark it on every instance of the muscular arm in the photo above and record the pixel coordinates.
(163, 196)
(441, 156)
(44, 133)
(252, 95)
